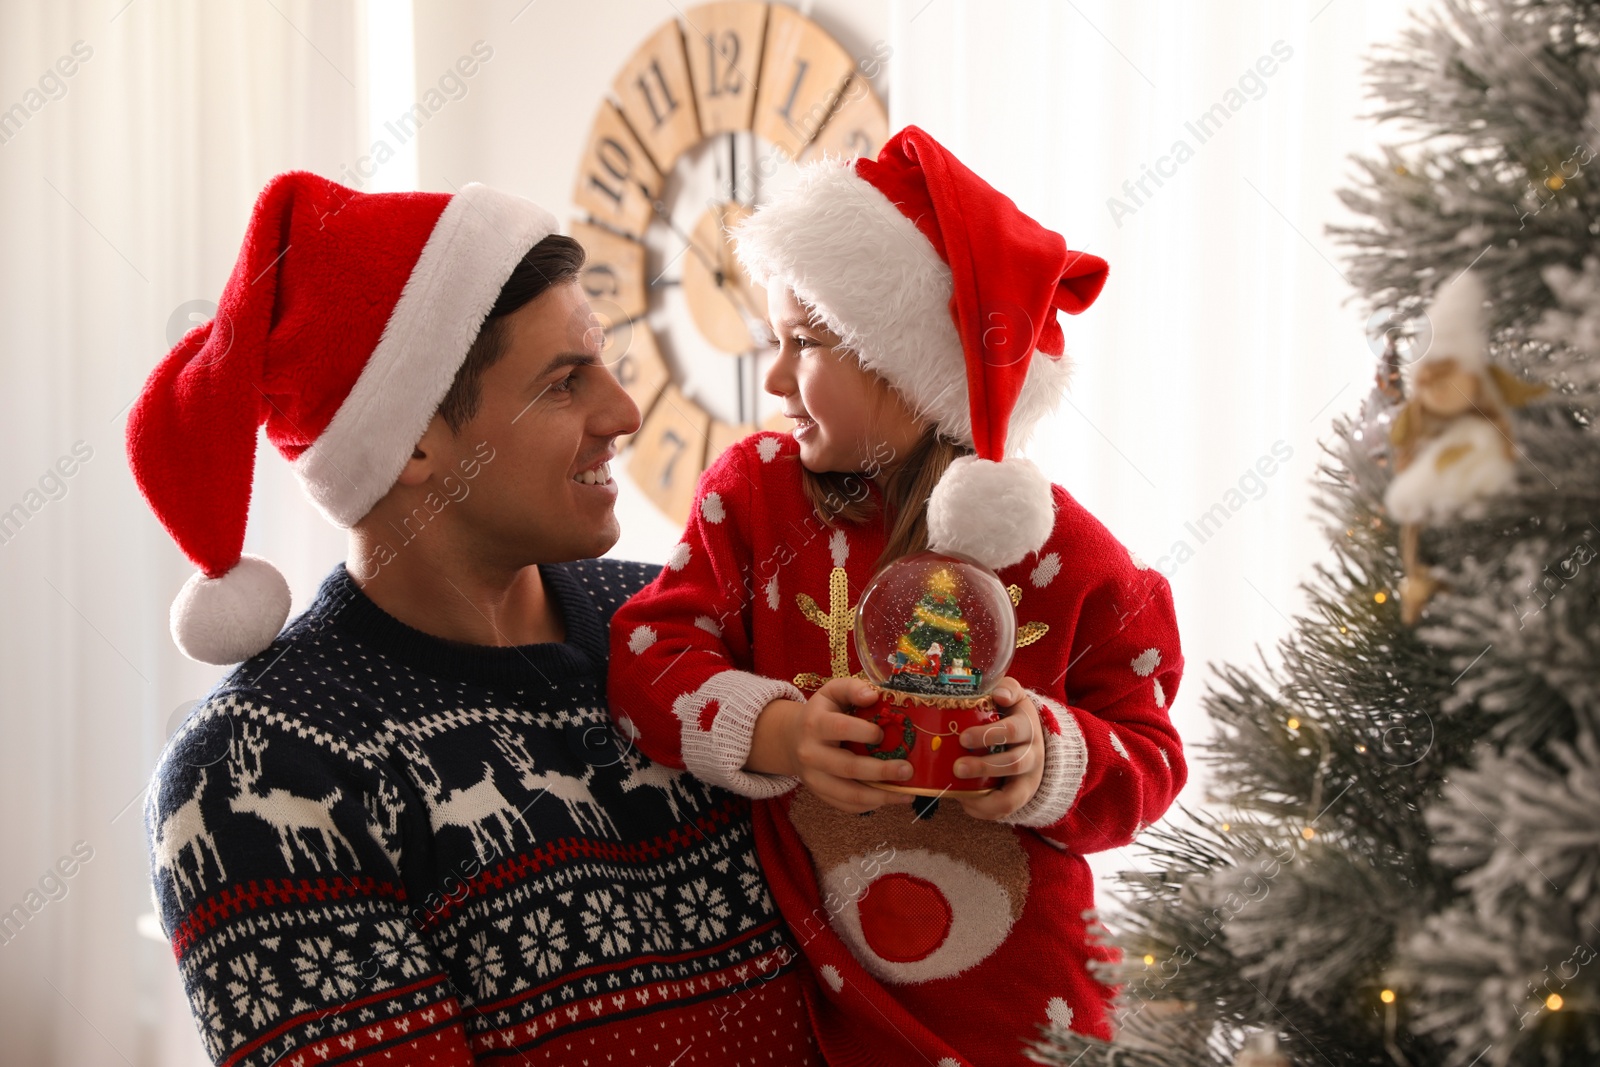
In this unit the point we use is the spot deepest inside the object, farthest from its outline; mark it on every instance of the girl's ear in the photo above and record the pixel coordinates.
(424, 457)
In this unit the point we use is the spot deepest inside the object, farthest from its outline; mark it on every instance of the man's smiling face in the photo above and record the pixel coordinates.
(551, 413)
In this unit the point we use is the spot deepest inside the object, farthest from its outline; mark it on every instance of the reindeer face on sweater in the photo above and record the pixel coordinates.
(916, 899)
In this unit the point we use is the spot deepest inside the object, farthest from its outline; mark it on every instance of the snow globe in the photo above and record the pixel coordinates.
(935, 634)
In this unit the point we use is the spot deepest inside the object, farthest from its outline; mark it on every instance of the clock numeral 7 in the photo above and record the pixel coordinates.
(671, 438)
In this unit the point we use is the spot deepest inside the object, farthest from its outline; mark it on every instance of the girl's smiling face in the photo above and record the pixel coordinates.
(847, 418)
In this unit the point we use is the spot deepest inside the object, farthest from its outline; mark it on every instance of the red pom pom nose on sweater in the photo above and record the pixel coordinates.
(340, 330)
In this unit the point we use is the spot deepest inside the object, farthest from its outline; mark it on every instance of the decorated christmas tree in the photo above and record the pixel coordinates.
(1401, 865)
(935, 651)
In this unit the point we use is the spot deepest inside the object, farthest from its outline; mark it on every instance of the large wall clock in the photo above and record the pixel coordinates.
(705, 120)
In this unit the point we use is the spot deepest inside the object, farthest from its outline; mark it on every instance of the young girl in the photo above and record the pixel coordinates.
(915, 314)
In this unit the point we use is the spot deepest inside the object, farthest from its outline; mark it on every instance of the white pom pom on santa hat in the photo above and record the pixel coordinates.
(229, 619)
(994, 512)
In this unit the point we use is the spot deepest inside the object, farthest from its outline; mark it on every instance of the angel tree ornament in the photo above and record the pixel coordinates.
(1452, 439)
(935, 634)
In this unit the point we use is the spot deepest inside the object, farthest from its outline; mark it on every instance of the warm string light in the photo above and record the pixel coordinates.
(1554, 1002)
(1149, 960)
(1294, 723)
(1361, 749)
(1387, 996)
(1308, 833)
(1380, 596)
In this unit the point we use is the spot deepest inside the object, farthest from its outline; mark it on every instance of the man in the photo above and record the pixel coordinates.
(402, 830)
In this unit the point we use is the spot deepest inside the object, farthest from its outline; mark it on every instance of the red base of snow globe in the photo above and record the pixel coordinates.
(926, 731)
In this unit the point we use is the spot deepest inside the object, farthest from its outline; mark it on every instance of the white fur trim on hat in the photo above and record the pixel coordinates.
(229, 619)
(995, 513)
(848, 253)
(480, 237)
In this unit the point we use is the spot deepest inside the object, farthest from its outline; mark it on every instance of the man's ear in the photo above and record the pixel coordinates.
(424, 459)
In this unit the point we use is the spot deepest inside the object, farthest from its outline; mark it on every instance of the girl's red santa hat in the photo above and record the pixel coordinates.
(341, 330)
(941, 285)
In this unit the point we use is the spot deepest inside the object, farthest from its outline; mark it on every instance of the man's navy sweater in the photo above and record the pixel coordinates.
(373, 845)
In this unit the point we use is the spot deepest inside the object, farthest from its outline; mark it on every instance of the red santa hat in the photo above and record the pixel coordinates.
(941, 285)
(341, 330)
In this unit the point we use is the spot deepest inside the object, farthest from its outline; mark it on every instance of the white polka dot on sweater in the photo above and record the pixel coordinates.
(641, 638)
(711, 507)
(1060, 1013)
(772, 592)
(831, 975)
(629, 730)
(680, 556)
(1146, 661)
(1164, 758)
(1049, 566)
(709, 625)
(1161, 694)
(1116, 743)
(948, 1061)
(768, 447)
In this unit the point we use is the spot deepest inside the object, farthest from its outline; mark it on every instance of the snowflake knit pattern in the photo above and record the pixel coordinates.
(371, 845)
(942, 938)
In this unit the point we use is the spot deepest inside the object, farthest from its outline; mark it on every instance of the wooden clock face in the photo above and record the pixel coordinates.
(707, 118)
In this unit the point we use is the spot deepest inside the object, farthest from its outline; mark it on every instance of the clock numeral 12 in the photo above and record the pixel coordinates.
(733, 83)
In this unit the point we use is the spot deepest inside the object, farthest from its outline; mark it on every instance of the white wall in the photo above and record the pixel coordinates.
(1224, 330)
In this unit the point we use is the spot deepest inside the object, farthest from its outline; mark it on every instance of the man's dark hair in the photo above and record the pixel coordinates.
(553, 261)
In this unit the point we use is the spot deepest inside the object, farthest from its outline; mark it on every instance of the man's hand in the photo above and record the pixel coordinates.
(1021, 764)
(804, 740)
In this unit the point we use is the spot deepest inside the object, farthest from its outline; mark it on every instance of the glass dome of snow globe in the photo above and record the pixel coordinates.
(937, 626)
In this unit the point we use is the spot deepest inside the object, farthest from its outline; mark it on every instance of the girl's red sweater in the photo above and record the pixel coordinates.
(943, 939)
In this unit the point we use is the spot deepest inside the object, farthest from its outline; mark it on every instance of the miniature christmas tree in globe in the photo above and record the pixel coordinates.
(935, 633)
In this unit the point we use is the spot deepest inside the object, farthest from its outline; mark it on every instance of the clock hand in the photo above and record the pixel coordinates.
(660, 210)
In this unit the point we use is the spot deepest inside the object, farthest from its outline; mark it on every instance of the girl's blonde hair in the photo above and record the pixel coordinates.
(907, 484)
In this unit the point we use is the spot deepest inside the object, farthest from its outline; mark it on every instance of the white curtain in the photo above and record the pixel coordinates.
(1223, 339)
(124, 188)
